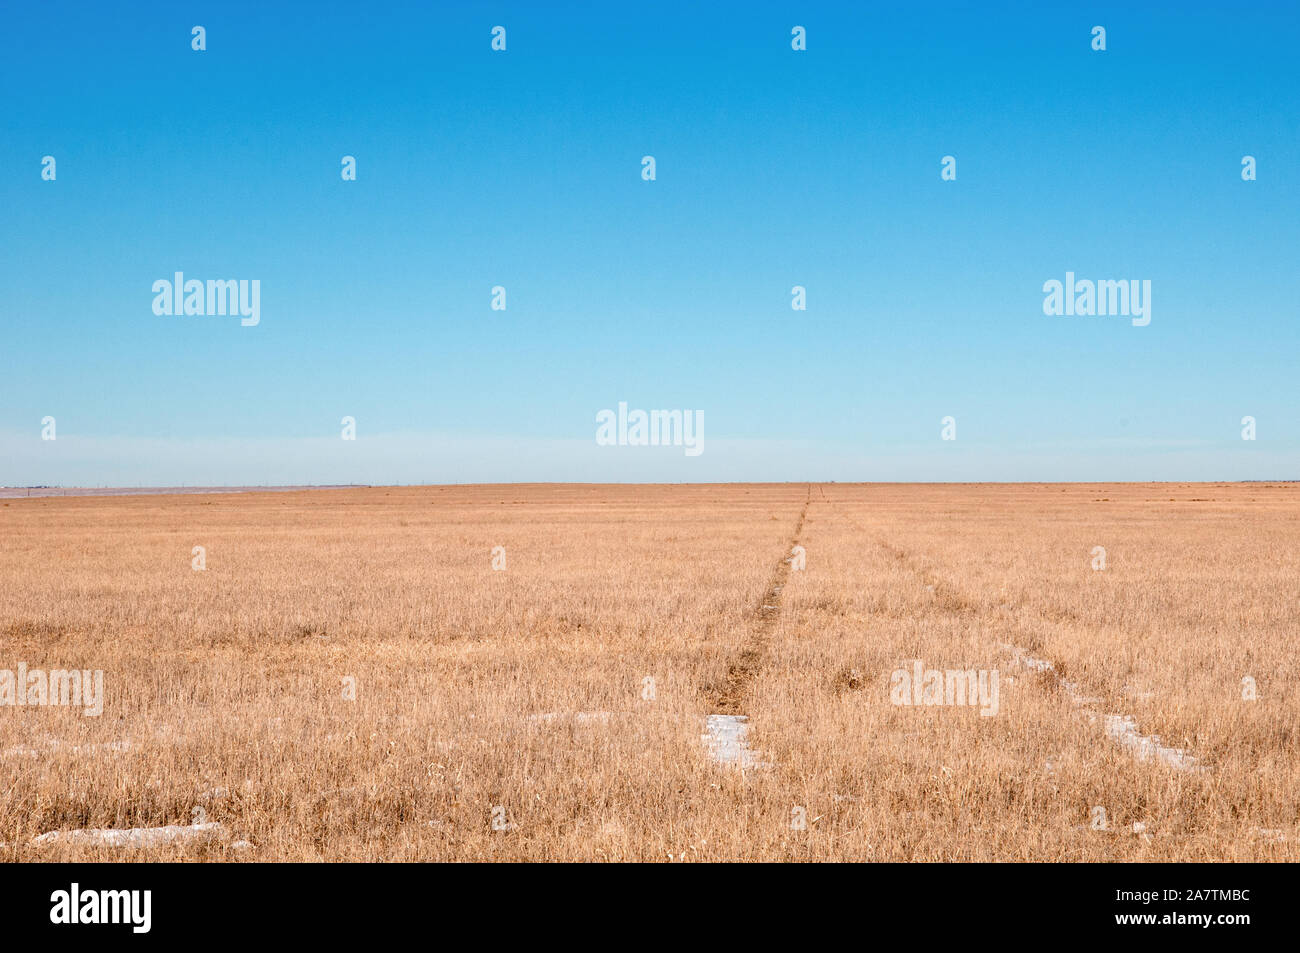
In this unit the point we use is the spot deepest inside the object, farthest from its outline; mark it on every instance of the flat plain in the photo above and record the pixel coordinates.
(359, 674)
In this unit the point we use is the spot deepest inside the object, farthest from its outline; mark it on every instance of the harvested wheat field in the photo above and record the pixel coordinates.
(360, 674)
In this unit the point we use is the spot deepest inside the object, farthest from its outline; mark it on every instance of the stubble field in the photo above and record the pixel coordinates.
(350, 678)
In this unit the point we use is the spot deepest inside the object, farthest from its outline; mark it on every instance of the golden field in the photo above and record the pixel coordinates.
(520, 695)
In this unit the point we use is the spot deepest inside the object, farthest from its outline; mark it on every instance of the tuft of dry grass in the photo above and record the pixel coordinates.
(554, 710)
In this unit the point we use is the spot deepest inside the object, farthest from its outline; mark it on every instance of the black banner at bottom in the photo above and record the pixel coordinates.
(1212, 904)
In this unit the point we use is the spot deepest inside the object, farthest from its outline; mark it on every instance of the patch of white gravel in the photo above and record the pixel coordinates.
(1271, 834)
(133, 837)
(727, 739)
(1124, 729)
(1120, 728)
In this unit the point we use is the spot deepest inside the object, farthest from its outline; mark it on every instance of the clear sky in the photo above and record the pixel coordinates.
(522, 169)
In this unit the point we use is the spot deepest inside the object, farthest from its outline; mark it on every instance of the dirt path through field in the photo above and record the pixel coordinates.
(729, 696)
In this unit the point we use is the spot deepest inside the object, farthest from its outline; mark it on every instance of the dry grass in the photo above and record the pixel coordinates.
(230, 678)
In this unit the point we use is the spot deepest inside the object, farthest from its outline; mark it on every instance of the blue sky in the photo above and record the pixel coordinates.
(522, 169)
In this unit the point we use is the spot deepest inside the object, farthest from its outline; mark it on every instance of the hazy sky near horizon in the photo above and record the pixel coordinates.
(522, 169)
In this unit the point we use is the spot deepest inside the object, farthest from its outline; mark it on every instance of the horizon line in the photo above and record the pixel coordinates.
(48, 491)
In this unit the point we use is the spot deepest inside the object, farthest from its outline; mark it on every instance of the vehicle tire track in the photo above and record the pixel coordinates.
(1121, 728)
(729, 696)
